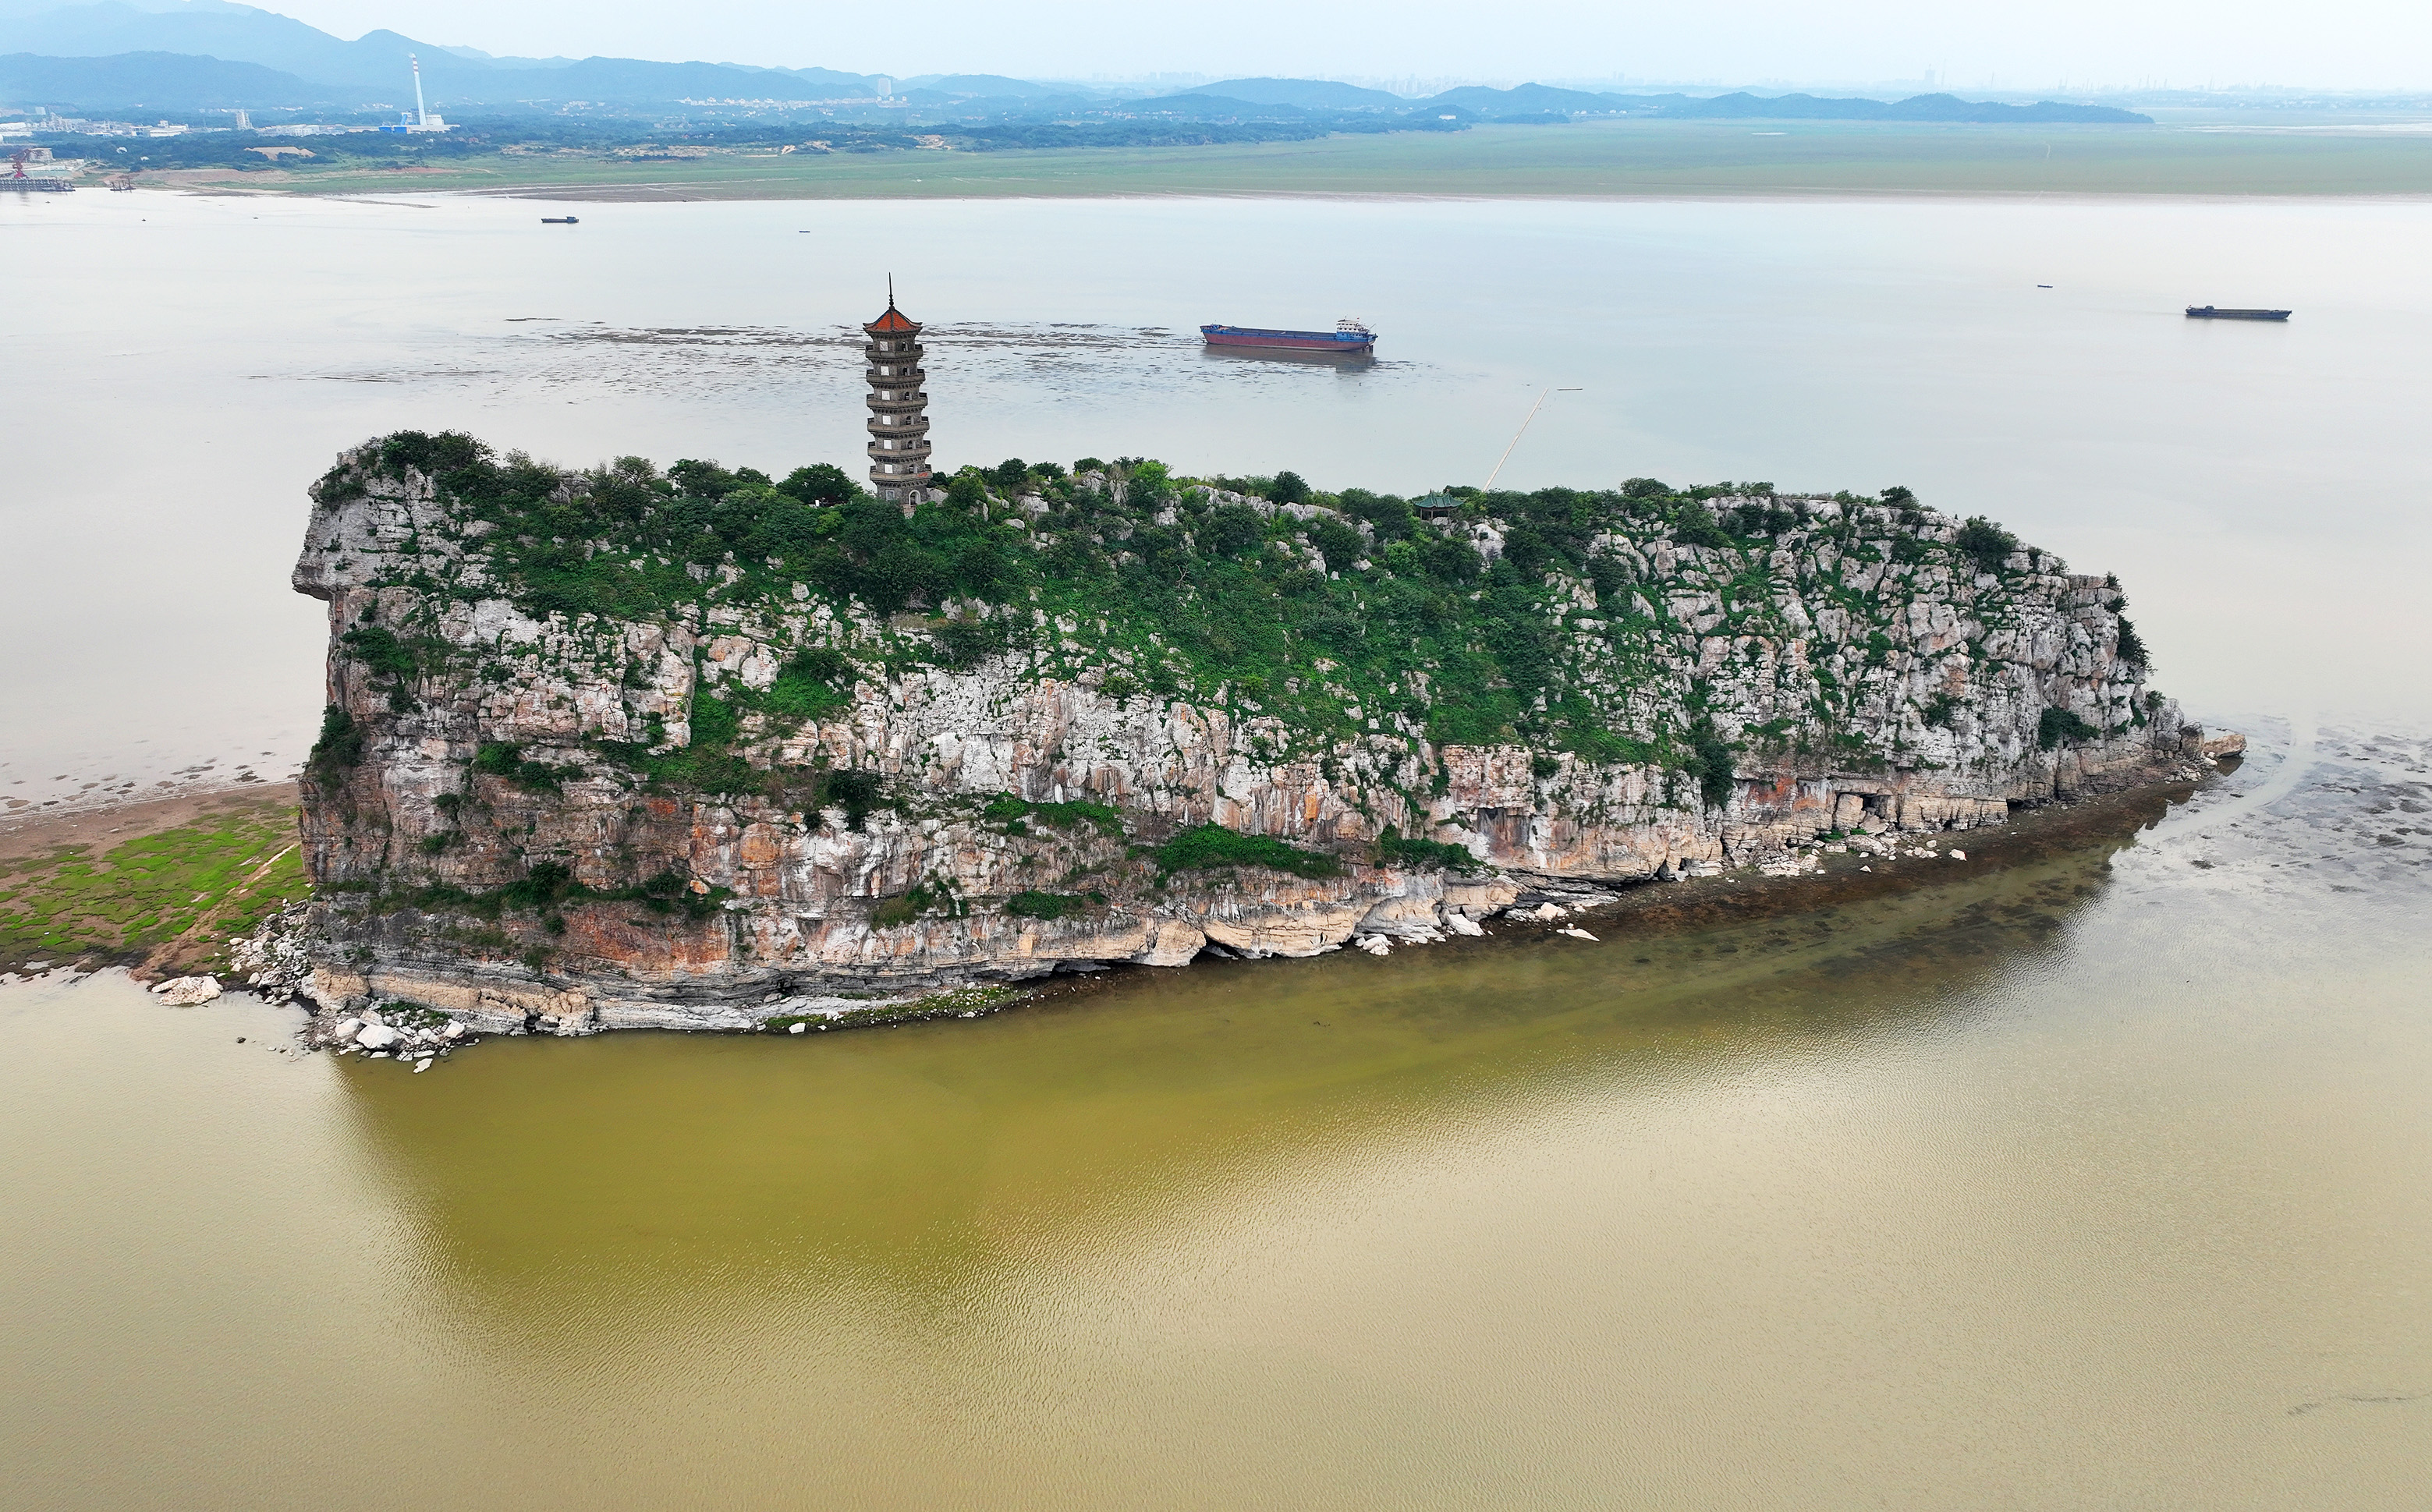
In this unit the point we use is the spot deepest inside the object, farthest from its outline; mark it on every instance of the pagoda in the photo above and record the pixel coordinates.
(899, 419)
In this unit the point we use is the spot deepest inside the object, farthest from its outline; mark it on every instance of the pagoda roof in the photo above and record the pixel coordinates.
(894, 319)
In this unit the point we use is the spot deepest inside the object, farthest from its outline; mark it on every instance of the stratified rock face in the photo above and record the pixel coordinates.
(524, 812)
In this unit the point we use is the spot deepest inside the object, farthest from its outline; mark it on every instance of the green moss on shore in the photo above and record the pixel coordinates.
(960, 1002)
(192, 888)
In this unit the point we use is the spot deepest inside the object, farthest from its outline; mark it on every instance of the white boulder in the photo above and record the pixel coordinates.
(377, 1037)
(185, 992)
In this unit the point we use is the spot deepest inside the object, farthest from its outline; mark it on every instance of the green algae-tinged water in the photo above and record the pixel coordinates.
(2069, 1176)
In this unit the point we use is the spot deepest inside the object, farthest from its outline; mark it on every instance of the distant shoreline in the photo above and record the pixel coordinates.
(1619, 160)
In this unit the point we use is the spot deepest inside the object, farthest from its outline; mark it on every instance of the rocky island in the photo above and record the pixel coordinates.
(709, 749)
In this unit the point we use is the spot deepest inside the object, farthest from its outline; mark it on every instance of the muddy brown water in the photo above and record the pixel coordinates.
(2089, 1173)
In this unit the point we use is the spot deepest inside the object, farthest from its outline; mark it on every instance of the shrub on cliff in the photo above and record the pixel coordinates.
(859, 794)
(451, 452)
(339, 747)
(1987, 543)
(497, 758)
(2058, 724)
(1007, 810)
(548, 886)
(1035, 904)
(811, 684)
(1338, 543)
(2132, 646)
(936, 896)
(1710, 762)
(1692, 526)
(1394, 848)
(380, 652)
(1213, 845)
(1232, 531)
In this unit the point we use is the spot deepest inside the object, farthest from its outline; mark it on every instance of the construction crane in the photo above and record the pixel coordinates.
(20, 181)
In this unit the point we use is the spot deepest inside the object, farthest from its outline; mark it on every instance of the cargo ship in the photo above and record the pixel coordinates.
(2212, 312)
(1347, 338)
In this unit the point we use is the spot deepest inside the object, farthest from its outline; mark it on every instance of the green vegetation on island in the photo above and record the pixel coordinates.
(1317, 621)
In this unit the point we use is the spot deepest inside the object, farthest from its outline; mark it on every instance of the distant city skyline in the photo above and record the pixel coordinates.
(2068, 45)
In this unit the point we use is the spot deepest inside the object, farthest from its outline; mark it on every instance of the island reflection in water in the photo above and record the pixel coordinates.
(929, 1158)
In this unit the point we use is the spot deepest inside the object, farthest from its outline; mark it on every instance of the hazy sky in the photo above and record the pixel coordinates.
(2084, 42)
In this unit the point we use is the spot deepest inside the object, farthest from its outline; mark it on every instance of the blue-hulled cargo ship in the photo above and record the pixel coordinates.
(1347, 338)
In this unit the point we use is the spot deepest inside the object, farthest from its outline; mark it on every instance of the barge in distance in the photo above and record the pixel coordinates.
(1347, 338)
(2213, 312)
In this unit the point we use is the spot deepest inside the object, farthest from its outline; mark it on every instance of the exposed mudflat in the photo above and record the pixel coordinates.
(30, 832)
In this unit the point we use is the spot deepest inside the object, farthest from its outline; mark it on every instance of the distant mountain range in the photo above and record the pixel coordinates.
(119, 43)
(165, 81)
(1916, 108)
(1544, 99)
(186, 54)
(1304, 95)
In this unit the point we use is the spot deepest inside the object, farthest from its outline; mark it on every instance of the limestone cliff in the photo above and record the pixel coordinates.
(618, 748)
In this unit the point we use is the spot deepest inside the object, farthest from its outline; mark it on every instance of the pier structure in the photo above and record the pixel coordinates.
(899, 411)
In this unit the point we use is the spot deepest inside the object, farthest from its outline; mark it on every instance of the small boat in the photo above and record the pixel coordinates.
(1347, 338)
(561, 220)
(2213, 312)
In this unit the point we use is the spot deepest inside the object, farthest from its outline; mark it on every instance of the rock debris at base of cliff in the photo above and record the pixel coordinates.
(702, 748)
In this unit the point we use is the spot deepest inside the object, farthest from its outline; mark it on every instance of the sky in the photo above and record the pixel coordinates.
(2076, 43)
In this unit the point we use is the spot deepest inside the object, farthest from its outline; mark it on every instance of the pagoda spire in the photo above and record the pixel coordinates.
(899, 411)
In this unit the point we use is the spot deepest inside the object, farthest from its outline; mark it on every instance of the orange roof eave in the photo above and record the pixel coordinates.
(891, 322)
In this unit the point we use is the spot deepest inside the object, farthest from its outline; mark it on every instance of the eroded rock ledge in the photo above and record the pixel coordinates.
(765, 796)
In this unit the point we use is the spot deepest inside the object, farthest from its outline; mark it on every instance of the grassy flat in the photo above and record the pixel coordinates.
(179, 894)
(1620, 158)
